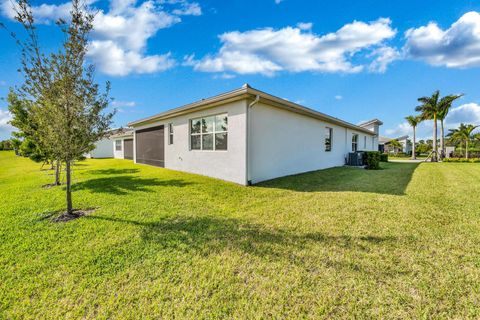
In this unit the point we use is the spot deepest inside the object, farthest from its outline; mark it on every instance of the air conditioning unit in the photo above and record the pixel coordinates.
(355, 159)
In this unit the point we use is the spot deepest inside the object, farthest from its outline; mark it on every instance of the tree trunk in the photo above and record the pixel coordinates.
(414, 156)
(435, 147)
(466, 149)
(442, 141)
(69, 188)
(57, 172)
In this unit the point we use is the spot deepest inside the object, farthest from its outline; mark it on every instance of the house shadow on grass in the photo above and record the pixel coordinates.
(122, 185)
(211, 235)
(393, 179)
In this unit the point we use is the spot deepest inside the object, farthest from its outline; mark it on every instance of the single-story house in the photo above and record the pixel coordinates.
(122, 144)
(384, 142)
(118, 143)
(248, 136)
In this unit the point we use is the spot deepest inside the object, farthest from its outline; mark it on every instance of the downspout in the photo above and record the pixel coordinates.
(247, 134)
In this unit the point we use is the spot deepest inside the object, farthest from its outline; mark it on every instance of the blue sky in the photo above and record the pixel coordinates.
(356, 60)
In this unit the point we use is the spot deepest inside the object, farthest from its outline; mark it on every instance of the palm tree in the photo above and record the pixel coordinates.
(413, 121)
(445, 104)
(429, 111)
(396, 145)
(463, 133)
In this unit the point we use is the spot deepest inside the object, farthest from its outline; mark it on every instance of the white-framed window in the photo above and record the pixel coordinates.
(328, 138)
(364, 142)
(118, 145)
(170, 133)
(209, 133)
(354, 142)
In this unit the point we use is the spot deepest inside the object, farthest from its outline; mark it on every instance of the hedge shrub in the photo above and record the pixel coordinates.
(384, 157)
(474, 160)
(372, 160)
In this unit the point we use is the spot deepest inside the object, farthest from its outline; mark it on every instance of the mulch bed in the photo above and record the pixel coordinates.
(77, 213)
(49, 185)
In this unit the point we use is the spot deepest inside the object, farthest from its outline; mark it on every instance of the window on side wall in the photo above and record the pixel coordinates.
(328, 138)
(170, 133)
(209, 133)
(118, 145)
(365, 142)
(354, 142)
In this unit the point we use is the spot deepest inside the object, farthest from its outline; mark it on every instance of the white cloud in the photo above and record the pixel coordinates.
(338, 97)
(224, 76)
(113, 60)
(120, 35)
(121, 104)
(384, 56)
(44, 13)
(191, 9)
(466, 113)
(455, 47)
(278, 1)
(401, 129)
(268, 51)
(305, 25)
(5, 126)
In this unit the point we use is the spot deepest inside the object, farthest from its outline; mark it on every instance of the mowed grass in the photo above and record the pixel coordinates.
(402, 242)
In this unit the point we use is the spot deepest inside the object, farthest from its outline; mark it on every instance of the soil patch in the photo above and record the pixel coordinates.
(77, 213)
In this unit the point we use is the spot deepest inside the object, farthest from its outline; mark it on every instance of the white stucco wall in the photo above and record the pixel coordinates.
(376, 129)
(284, 143)
(227, 165)
(120, 154)
(117, 154)
(103, 149)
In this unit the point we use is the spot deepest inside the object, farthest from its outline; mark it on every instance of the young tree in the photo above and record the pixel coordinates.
(444, 107)
(23, 120)
(429, 111)
(413, 121)
(67, 105)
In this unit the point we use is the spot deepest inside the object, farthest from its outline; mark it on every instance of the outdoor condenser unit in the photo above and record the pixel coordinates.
(355, 159)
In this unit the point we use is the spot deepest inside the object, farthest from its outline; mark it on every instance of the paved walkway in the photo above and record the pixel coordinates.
(407, 160)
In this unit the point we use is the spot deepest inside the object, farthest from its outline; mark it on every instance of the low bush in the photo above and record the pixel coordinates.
(471, 160)
(384, 157)
(372, 160)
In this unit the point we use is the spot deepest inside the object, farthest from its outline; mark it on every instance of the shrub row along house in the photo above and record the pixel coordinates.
(244, 136)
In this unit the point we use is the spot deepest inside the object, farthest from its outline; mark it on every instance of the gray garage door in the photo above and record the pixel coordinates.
(128, 149)
(150, 146)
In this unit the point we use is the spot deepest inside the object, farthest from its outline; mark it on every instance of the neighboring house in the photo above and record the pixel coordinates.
(383, 144)
(122, 144)
(103, 149)
(118, 144)
(247, 136)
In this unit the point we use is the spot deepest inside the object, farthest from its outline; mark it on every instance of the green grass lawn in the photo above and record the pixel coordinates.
(402, 242)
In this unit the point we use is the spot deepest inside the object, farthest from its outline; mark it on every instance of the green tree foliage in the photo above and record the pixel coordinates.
(444, 107)
(464, 134)
(436, 108)
(66, 104)
(6, 145)
(394, 145)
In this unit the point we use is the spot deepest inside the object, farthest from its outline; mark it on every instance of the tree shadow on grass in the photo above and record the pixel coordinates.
(393, 179)
(122, 185)
(210, 235)
(113, 171)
